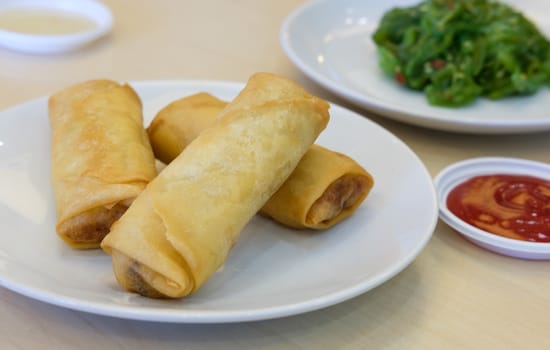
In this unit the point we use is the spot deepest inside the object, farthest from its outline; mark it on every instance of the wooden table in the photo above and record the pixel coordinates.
(453, 296)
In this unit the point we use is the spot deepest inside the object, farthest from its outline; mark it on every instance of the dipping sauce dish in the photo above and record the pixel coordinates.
(44, 27)
(500, 204)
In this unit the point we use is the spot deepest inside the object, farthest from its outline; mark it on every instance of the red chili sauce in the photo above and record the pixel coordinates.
(513, 206)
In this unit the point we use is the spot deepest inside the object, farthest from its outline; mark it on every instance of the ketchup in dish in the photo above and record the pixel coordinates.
(513, 206)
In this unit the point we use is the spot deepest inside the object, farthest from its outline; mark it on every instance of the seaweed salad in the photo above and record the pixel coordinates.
(458, 50)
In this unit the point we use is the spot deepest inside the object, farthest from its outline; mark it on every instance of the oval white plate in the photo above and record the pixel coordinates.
(100, 17)
(459, 172)
(272, 271)
(330, 41)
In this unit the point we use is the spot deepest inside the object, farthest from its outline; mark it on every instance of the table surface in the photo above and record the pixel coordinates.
(453, 296)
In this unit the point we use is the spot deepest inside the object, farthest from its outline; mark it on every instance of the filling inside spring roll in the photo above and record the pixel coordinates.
(135, 276)
(101, 158)
(90, 226)
(341, 196)
(325, 188)
(180, 229)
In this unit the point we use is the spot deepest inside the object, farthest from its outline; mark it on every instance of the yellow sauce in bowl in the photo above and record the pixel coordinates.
(44, 22)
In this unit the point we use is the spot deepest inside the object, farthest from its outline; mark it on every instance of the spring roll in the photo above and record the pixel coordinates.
(180, 230)
(325, 188)
(172, 133)
(101, 158)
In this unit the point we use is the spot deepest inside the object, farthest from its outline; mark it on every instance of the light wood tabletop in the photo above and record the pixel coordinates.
(454, 295)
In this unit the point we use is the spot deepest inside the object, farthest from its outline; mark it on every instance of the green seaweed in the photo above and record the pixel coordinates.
(457, 50)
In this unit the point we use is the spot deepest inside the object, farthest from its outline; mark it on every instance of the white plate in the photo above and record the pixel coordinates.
(42, 27)
(330, 41)
(453, 175)
(272, 271)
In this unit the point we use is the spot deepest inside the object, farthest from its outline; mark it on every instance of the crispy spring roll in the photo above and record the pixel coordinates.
(101, 158)
(179, 231)
(325, 188)
(173, 134)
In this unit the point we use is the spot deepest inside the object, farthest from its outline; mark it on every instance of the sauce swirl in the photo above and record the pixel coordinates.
(513, 206)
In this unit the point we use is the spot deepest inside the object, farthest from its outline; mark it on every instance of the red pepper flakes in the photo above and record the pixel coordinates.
(400, 78)
(437, 63)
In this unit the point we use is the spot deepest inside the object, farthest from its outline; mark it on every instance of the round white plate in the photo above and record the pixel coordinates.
(459, 172)
(42, 27)
(330, 41)
(271, 272)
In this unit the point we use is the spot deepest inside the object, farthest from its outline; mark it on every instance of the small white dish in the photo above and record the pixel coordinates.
(43, 27)
(330, 41)
(459, 172)
(271, 272)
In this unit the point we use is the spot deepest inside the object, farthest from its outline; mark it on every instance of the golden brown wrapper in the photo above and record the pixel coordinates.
(173, 135)
(101, 158)
(325, 188)
(179, 231)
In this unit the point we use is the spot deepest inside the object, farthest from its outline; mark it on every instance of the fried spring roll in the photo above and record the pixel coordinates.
(325, 188)
(179, 231)
(173, 133)
(101, 158)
